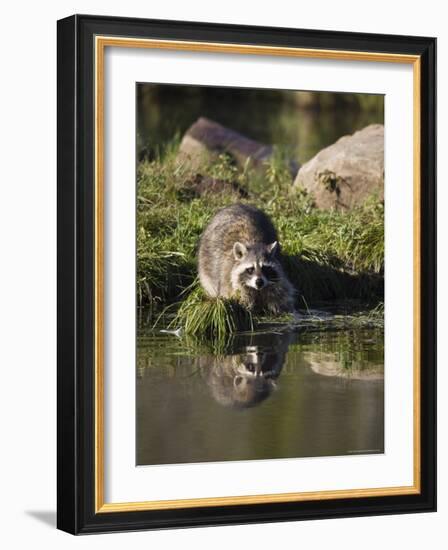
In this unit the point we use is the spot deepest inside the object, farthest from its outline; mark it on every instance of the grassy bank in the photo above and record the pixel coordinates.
(328, 255)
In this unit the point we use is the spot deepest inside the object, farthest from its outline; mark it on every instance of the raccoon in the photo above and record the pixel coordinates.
(239, 257)
(245, 379)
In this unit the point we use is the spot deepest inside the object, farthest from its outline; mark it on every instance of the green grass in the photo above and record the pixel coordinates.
(327, 254)
(203, 317)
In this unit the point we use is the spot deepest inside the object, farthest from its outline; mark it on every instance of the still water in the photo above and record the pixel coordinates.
(301, 123)
(279, 393)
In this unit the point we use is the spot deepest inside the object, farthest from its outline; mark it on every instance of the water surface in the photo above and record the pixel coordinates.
(275, 394)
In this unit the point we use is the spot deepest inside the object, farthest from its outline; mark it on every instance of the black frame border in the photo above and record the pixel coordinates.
(76, 262)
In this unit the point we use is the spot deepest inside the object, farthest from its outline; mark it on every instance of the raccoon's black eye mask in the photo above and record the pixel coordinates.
(250, 270)
(269, 272)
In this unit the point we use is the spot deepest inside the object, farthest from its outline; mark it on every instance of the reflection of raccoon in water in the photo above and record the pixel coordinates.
(245, 379)
(239, 256)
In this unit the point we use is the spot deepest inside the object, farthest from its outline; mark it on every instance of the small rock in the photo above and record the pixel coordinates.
(346, 173)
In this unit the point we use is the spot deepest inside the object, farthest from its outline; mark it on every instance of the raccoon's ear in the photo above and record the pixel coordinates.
(239, 251)
(273, 248)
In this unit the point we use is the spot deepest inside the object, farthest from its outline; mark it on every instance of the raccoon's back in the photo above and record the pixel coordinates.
(238, 223)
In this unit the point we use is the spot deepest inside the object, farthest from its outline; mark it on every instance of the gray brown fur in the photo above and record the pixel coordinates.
(238, 251)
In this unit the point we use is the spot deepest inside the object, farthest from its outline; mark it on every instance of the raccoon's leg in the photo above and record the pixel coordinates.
(280, 299)
(289, 295)
(286, 304)
(224, 274)
(207, 285)
(274, 307)
(246, 299)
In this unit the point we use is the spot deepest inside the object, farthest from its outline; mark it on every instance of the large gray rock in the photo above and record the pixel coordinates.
(206, 139)
(346, 173)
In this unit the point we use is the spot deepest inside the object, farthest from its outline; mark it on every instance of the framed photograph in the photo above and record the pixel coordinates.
(246, 274)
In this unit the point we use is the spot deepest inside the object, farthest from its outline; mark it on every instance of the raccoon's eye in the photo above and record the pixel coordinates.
(250, 270)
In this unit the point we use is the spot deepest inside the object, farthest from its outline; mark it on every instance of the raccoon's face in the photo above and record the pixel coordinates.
(240, 380)
(256, 266)
(247, 378)
(249, 364)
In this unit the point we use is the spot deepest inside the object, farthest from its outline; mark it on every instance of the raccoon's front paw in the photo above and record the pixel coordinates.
(275, 308)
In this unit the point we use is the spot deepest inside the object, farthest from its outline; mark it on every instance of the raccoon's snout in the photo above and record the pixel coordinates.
(259, 283)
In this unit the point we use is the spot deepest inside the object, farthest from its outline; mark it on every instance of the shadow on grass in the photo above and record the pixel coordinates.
(316, 282)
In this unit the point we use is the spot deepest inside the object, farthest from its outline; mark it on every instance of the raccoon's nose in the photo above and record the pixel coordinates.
(259, 283)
